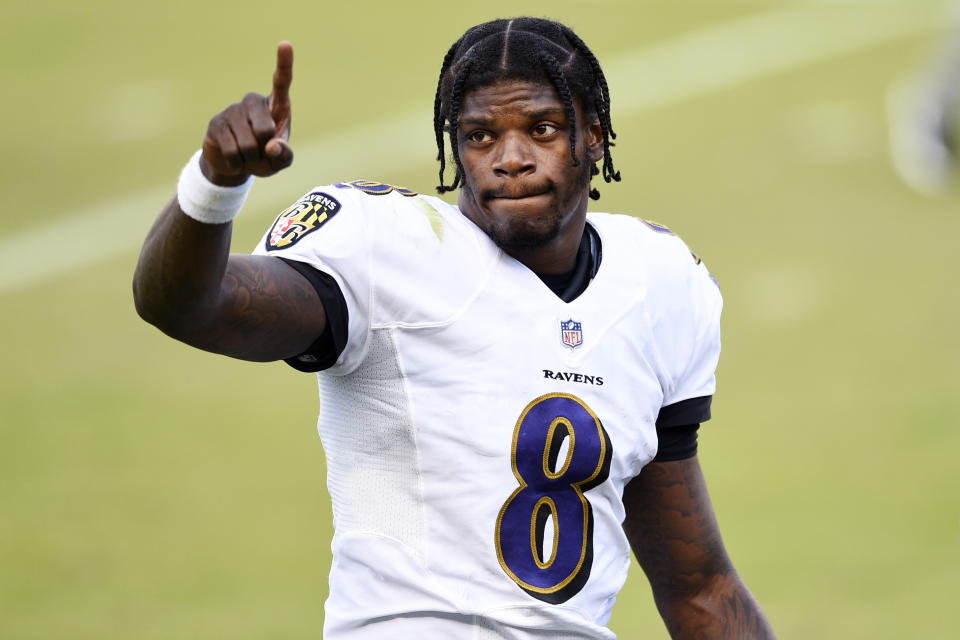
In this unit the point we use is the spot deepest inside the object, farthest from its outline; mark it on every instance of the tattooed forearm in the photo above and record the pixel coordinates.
(250, 307)
(180, 268)
(725, 609)
(672, 528)
(674, 533)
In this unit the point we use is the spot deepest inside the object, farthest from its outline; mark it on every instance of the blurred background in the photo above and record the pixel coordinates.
(148, 490)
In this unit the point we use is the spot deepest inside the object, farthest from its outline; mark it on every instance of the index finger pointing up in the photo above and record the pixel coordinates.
(283, 76)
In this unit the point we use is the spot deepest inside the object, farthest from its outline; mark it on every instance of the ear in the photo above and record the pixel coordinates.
(594, 140)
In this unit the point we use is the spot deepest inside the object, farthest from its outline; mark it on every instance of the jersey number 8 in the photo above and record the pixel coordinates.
(551, 424)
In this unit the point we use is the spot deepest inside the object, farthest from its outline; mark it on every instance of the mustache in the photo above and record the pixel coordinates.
(517, 191)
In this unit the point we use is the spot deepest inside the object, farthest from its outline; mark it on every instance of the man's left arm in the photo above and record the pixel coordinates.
(673, 531)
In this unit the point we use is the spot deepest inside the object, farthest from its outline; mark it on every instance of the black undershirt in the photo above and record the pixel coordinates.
(568, 286)
(677, 424)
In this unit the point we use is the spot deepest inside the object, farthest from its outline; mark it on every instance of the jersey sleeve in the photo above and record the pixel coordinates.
(327, 229)
(687, 330)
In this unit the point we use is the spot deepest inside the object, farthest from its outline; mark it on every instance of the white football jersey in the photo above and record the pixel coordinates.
(479, 431)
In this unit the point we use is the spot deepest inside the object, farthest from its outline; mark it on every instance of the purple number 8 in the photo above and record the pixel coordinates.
(552, 489)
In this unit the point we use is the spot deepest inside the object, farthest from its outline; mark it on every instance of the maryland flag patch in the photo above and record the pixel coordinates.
(306, 215)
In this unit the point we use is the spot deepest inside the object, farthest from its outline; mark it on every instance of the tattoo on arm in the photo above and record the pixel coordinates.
(674, 533)
(250, 307)
(269, 310)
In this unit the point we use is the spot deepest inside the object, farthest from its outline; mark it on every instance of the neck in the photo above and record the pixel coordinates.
(559, 256)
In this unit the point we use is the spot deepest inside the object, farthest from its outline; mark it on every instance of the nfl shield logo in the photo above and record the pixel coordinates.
(571, 334)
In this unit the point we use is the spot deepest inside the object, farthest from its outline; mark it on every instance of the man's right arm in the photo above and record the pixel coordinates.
(187, 283)
(673, 531)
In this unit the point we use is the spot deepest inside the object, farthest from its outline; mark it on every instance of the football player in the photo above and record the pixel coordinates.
(510, 388)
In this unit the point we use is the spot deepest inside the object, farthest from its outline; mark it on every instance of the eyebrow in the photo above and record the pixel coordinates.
(482, 121)
(549, 111)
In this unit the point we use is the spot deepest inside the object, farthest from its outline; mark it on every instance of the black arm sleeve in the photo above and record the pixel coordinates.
(677, 426)
(325, 350)
(676, 443)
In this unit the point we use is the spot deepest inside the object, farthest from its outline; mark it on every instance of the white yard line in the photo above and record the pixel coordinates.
(715, 58)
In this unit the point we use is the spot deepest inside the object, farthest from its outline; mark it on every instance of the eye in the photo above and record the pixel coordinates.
(543, 129)
(478, 136)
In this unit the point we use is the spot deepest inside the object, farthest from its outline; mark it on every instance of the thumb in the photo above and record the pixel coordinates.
(279, 153)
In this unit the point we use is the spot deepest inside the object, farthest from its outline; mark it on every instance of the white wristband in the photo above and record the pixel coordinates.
(207, 202)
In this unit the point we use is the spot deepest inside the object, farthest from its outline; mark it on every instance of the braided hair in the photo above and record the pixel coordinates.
(529, 49)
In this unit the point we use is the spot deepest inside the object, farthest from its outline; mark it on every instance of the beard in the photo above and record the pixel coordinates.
(513, 237)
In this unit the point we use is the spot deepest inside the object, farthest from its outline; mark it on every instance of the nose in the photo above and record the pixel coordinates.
(516, 157)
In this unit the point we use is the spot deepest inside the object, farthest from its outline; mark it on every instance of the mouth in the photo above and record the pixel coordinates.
(521, 195)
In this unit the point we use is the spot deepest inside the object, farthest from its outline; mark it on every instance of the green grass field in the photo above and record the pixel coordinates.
(148, 490)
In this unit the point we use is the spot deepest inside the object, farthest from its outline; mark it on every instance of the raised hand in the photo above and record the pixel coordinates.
(250, 137)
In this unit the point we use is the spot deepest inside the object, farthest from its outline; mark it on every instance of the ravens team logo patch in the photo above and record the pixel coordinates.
(306, 215)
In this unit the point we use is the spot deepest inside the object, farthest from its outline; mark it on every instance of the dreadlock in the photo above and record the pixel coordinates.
(531, 49)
